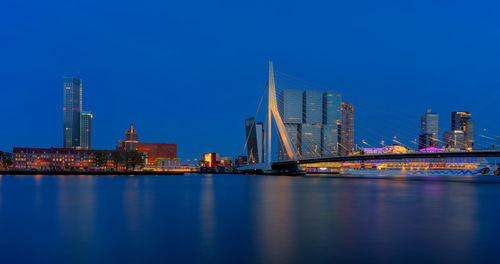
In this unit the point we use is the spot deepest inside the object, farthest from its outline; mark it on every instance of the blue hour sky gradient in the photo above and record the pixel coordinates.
(190, 72)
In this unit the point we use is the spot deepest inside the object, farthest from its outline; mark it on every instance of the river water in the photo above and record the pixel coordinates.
(246, 219)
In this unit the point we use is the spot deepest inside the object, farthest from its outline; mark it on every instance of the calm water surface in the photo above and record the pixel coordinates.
(246, 219)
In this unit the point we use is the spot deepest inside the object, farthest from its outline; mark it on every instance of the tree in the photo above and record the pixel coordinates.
(133, 159)
(100, 158)
(7, 163)
(117, 157)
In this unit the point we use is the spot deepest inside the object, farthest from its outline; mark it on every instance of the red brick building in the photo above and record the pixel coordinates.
(156, 151)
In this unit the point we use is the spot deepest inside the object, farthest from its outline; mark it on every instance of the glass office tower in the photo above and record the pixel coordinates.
(313, 107)
(72, 107)
(86, 130)
(429, 130)
(290, 107)
(312, 124)
(331, 120)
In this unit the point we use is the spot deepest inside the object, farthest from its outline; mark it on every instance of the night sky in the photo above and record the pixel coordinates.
(190, 72)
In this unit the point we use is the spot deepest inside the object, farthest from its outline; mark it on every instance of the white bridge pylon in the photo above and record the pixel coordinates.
(272, 111)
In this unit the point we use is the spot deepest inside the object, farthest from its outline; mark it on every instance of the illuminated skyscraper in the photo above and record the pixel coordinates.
(461, 120)
(346, 129)
(86, 130)
(72, 106)
(429, 130)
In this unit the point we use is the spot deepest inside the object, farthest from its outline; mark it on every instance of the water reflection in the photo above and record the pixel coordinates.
(208, 218)
(246, 219)
(77, 211)
(275, 217)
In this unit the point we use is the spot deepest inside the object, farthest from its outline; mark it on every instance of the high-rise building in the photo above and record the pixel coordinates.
(313, 107)
(346, 129)
(310, 139)
(290, 107)
(72, 106)
(131, 138)
(86, 130)
(454, 139)
(312, 121)
(461, 120)
(429, 130)
(255, 140)
(331, 119)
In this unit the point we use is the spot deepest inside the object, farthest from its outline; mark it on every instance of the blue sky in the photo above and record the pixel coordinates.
(190, 72)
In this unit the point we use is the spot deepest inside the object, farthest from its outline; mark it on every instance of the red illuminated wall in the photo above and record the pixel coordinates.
(158, 150)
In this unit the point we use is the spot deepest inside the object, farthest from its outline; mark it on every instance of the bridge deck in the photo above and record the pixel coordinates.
(416, 155)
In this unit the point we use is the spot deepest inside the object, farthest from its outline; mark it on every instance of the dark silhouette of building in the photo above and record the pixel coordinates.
(346, 129)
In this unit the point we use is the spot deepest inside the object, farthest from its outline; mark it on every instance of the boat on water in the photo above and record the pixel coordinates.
(480, 170)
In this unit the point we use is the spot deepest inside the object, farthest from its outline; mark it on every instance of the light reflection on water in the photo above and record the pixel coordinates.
(245, 219)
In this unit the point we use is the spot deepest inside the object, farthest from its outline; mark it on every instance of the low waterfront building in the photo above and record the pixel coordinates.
(151, 152)
(59, 159)
(209, 160)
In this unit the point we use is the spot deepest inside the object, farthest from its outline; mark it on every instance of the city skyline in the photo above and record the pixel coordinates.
(142, 77)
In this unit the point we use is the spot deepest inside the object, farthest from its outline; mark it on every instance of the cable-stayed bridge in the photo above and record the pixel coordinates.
(310, 148)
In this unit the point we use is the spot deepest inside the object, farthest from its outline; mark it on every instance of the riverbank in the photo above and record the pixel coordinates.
(103, 173)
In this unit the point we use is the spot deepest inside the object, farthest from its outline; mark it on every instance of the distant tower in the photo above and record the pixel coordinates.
(346, 129)
(429, 130)
(131, 138)
(86, 130)
(72, 107)
(461, 120)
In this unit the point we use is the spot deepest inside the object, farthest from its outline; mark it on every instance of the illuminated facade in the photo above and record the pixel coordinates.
(86, 130)
(131, 138)
(72, 106)
(454, 139)
(346, 129)
(156, 151)
(210, 160)
(461, 120)
(58, 159)
(151, 152)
